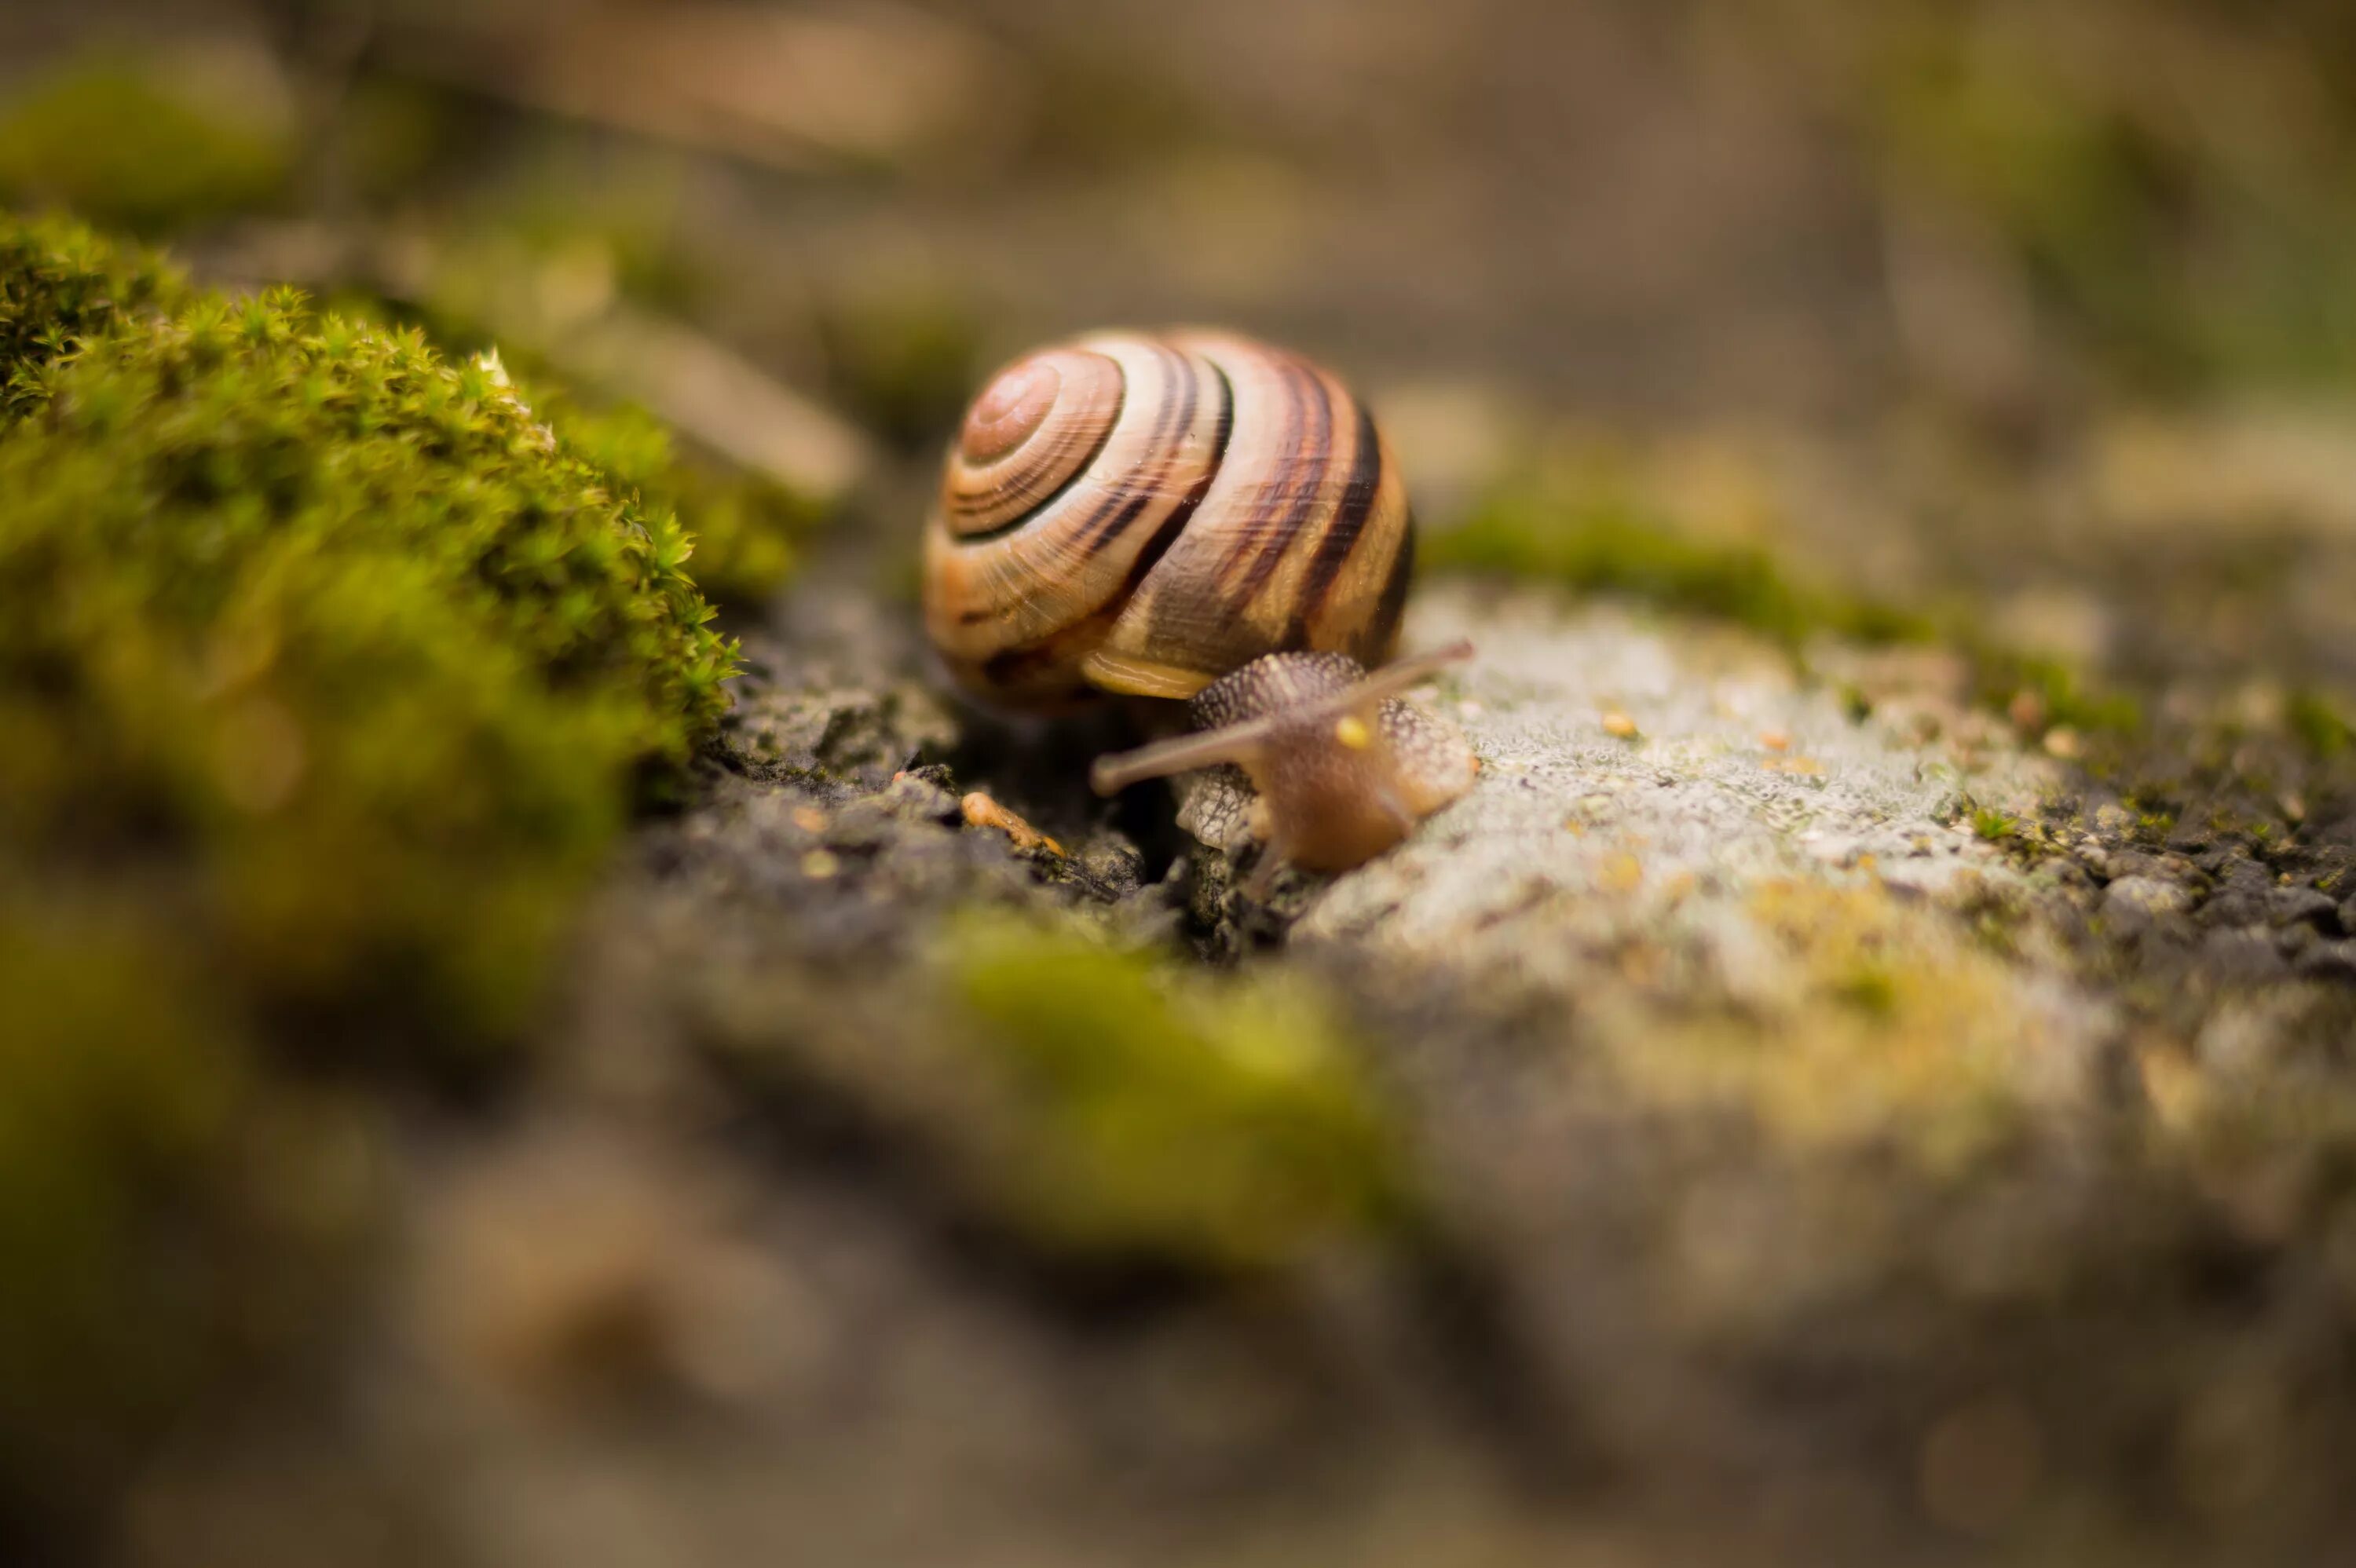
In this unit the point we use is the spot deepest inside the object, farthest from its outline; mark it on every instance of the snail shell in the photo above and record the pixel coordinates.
(1144, 514)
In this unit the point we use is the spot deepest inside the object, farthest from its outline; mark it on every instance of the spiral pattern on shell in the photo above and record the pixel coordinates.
(1143, 514)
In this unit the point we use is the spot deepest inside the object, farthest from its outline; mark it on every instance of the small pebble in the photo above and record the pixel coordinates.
(980, 811)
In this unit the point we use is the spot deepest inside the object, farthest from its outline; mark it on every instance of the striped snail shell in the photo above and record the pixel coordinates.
(1147, 513)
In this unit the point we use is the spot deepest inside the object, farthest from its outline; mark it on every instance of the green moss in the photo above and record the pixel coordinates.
(336, 645)
(1870, 988)
(1590, 532)
(2057, 694)
(125, 140)
(1992, 825)
(1591, 536)
(748, 530)
(60, 287)
(2321, 726)
(1210, 1119)
(328, 675)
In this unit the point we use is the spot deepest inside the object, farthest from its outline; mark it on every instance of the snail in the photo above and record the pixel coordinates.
(1195, 517)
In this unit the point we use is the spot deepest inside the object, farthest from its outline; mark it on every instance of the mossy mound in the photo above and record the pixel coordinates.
(1098, 1112)
(328, 673)
(335, 641)
(1228, 1126)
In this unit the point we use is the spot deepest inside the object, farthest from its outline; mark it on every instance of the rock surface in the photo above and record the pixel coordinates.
(1786, 1150)
(1812, 1104)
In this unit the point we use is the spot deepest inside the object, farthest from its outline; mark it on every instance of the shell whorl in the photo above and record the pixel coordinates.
(1028, 436)
(1144, 514)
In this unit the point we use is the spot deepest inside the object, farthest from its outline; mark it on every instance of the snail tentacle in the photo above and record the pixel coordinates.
(1180, 754)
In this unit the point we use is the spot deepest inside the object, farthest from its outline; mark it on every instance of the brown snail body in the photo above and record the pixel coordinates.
(1342, 768)
(1196, 515)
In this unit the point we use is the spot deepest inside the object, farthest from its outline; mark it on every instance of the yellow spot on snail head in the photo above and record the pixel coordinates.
(1352, 731)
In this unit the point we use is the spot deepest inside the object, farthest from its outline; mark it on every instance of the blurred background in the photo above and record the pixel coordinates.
(2044, 307)
(2023, 326)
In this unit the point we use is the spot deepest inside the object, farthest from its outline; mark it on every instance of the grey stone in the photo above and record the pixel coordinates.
(2242, 957)
(2294, 940)
(2146, 896)
(2333, 961)
(2301, 906)
(2233, 910)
